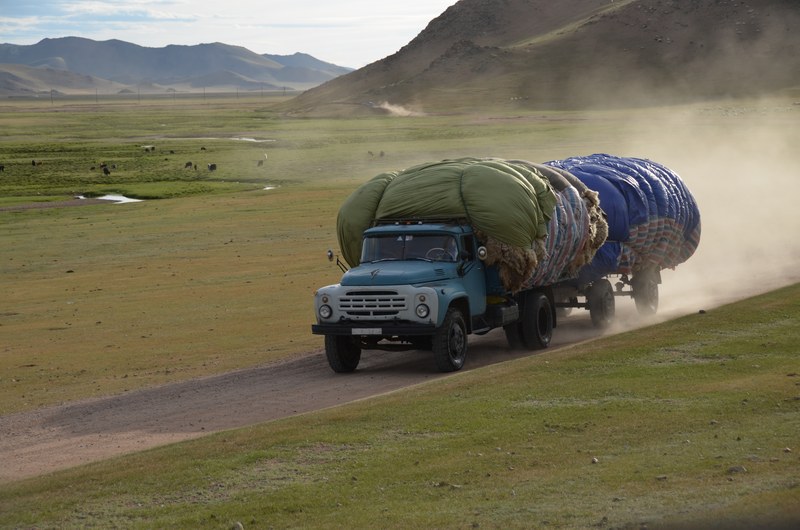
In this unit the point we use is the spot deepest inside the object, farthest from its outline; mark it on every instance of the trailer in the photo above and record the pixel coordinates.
(653, 224)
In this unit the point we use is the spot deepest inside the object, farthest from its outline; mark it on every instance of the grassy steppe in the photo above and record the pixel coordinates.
(688, 424)
(688, 420)
(218, 273)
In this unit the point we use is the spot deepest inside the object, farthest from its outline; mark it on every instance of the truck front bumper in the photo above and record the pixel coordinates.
(382, 329)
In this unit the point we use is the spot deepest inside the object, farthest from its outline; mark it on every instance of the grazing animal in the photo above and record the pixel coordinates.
(106, 171)
(202, 148)
(370, 153)
(187, 165)
(113, 166)
(92, 168)
(260, 163)
(2, 167)
(33, 162)
(382, 154)
(171, 152)
(212, 167)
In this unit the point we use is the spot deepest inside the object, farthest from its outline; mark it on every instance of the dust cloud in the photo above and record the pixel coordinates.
(742, 164)
(398, 110)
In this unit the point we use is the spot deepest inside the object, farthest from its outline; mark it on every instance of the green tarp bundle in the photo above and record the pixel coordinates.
(507, 203)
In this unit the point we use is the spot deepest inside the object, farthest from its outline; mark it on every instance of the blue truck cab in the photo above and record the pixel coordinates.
(425, 285)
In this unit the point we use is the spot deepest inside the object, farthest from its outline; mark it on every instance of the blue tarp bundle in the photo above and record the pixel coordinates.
(653, 219)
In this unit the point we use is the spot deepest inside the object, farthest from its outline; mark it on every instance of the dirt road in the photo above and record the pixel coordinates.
(49, 439)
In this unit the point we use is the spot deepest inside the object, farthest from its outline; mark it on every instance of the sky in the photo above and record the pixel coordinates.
(350, 33)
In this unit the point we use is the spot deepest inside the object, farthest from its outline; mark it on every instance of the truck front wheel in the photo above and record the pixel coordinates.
(450, 342)
(343, 353)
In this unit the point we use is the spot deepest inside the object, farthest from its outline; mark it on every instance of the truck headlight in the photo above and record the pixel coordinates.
(423, 311)
(325, 311)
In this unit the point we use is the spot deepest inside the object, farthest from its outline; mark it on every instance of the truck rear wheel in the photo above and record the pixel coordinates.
(343, 353)
(536, 328)
(601, 303)
(645, 292)
(450, 342)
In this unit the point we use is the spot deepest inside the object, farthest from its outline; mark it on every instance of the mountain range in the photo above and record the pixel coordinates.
(577, 53)
(478, 54)
(74, 65)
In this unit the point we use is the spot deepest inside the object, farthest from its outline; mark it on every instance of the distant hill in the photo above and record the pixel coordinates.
(577, 53)
(216, 65)
(21, 80)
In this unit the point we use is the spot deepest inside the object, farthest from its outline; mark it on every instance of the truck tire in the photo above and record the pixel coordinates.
(450, 342)
(601, 303)
(536, 327)
(343, 353)
(645, 292)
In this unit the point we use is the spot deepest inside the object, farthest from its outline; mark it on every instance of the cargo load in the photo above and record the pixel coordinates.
(653, 219)
(447, 249)
(539, 224)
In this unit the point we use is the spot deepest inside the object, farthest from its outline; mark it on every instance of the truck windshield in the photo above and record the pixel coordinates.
(432, 247)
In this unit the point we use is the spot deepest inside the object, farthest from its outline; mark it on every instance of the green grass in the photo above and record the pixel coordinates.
(214, 273)
(211, 273)
(688, 421)
(68, 140)
(103, 299)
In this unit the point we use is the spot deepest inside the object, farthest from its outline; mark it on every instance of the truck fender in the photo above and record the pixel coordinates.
(462, 304)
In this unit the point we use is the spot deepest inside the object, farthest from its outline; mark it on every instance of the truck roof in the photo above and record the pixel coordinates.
(419, 226)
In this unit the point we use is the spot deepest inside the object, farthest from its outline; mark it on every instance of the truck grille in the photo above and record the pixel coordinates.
(372, 303)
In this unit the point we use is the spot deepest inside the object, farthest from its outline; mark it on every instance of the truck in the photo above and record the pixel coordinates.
(446, 249)
(424, 285)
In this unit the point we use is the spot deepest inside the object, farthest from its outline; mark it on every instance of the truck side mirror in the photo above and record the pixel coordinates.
(482, 253)
(339, 263)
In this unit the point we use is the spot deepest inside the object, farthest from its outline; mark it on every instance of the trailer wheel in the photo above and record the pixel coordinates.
(537, 321)
(645, 293)
(601, 303)
(450, 342)
(343, 353)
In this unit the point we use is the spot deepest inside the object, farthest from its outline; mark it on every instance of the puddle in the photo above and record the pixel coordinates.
(253, 140)
(116, 199)
(234, 138)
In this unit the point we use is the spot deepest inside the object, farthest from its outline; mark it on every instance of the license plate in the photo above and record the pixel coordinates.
(367, 331)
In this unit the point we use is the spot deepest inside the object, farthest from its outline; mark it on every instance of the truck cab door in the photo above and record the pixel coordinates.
(474, 278)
